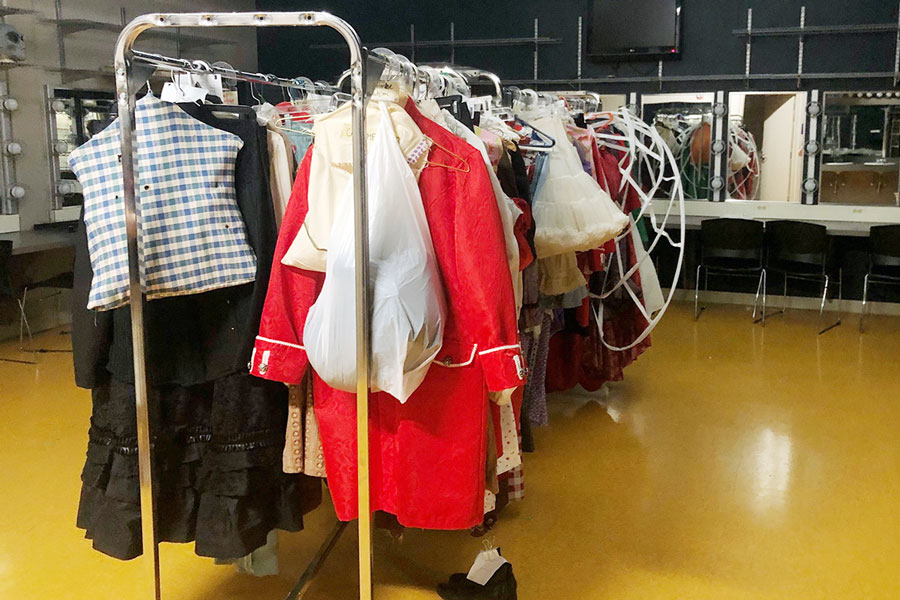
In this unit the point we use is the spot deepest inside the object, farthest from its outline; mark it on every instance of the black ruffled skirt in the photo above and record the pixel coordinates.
(217, 468)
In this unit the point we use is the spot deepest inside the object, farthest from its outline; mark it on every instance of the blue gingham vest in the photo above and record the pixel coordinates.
(191, 237)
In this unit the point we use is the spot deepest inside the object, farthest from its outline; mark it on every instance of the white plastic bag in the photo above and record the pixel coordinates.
(404, 283)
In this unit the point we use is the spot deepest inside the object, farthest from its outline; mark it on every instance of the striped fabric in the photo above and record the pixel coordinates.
(191, 237)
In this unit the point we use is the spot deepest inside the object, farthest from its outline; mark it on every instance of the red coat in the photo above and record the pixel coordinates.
(427, 456)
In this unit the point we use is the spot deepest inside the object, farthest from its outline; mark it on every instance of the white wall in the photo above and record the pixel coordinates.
(91, 50)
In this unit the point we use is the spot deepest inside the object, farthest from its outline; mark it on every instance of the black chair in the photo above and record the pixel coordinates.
(801, 251)
(6, 290)
(884, 261)
(60, 281)
(732, 247)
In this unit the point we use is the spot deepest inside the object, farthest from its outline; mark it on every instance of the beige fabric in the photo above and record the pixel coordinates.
(331, 171)
(509, 438)
(491, 482)
(559, 274)
(313, 457)
(292, 458)
(303, 446)
(433, 111)
(280, 173)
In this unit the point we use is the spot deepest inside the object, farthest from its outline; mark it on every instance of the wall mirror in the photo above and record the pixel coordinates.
(861, 149)
(73, 117)
(685, 123)
(765, 145)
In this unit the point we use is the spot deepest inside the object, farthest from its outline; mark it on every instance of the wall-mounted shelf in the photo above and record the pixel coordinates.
(817, 30)
(72, 26)
(8, 11)
(70, 75)
(521, 41)
(691, 78)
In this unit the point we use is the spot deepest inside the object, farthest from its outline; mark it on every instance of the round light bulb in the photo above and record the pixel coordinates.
(61, 147)
(17, 192)
(10, 104)
(58, 105)
(66, 187)
(14, 148)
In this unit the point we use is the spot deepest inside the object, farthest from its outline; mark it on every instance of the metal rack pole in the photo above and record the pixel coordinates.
(126, 87)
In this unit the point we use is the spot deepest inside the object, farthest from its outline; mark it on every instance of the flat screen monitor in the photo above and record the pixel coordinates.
(634, 29)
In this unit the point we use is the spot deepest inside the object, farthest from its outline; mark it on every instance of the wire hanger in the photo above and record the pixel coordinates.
(462, 169)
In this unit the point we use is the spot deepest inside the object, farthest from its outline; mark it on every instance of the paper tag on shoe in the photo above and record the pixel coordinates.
(486, 564)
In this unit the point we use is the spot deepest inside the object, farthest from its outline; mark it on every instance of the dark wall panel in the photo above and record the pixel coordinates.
(709, 47)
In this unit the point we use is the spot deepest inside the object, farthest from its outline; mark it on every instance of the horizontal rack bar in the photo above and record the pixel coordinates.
(523, 41)
(168, 63)
(817, 30)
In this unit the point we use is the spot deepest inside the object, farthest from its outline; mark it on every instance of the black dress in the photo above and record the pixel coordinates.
(217, 432)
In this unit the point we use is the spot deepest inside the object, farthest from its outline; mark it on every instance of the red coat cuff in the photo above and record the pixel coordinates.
(278, 361)
(504, 367)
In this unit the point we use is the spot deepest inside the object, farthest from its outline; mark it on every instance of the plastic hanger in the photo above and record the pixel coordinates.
(545, 143)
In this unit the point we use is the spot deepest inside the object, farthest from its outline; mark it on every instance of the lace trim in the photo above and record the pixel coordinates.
(241, 442)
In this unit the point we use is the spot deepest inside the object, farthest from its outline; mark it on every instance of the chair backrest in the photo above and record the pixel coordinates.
(732, 238)
(884, 245)
(6, 289)
(797, 242)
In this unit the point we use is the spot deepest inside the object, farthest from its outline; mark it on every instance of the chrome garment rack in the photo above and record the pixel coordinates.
(126, 89)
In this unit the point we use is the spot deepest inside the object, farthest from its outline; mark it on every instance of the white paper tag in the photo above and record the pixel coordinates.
(486, 564)
(174, 93)
(210, 82)
(189, 87)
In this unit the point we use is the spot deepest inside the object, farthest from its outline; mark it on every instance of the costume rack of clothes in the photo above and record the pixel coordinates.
(182, 202)
(489, 242)
(591, 311)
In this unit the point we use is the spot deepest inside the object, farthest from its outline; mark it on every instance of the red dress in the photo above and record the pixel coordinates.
(578, 359)
(427, 456)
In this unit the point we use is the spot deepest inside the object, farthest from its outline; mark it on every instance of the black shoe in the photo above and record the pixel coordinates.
(501, 586)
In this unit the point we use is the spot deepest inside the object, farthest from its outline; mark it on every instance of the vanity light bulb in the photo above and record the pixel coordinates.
(10, 104)
(14, 148)
(58, 105)
(66, 187)
(17, 192)
(61, 147)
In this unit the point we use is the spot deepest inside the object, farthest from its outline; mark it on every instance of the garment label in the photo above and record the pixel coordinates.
(386, 90)
(486, 564)
(521, 371)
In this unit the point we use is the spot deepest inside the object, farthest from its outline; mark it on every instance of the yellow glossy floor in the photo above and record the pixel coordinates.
(735, 462)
